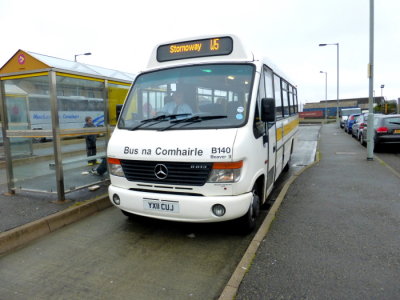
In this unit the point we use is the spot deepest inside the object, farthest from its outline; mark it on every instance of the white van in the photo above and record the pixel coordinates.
(203, 134)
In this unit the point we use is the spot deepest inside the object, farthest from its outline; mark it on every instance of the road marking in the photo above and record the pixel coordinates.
(346, 153)
(387, 166)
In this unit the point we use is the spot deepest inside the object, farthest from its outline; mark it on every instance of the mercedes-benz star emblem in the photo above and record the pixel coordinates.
(161, 171)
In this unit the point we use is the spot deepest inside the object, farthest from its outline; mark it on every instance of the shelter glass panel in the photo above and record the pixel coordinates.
(80, 156)
(78, 98)
(34, 169)
(116, 97)
(27, 104)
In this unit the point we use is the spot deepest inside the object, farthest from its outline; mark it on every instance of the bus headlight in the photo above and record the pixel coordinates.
(115, 168)
(226, 172)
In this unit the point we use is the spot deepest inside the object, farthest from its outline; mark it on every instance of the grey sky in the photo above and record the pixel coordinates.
(121, 34)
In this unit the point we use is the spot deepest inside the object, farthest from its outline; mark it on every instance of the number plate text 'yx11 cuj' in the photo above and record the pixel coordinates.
(164, 206)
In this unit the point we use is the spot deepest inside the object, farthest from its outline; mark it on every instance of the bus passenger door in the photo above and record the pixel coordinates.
(271, 131)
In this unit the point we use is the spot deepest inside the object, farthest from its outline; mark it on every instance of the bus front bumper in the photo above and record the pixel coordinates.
(181, 208)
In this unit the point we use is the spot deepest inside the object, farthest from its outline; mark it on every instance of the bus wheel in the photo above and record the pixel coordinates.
(128, 214)
(248, 221)
(287, 167)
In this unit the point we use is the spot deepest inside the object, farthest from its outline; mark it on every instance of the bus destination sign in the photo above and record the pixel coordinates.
(198, 48)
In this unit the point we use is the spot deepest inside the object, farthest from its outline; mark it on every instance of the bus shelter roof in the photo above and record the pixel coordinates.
(26, 61)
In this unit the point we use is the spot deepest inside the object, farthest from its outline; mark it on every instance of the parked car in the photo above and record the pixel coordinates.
(348, 124)
(359, 125)
(344, 113)
(386, 130)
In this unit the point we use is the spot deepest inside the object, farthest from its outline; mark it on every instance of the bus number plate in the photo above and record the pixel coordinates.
(164, 206)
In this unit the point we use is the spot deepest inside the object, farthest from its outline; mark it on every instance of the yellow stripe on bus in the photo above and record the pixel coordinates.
(280, 133)
(290, 126)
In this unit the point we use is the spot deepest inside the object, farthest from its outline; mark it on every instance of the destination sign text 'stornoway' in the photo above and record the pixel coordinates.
(197, 48)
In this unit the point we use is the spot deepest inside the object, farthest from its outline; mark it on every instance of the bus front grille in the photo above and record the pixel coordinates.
(174, 173)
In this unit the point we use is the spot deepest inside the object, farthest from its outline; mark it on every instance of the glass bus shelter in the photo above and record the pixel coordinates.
(43, 105)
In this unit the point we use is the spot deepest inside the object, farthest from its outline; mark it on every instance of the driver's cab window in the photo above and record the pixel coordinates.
(258, 125)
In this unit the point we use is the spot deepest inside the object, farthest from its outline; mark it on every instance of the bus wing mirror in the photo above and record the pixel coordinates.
(268, 110)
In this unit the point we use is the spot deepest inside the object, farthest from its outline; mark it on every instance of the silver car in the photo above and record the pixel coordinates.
(359, 125)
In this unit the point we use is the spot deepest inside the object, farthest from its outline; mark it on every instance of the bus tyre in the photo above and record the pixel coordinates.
(248, 221)
(128, 214)
(287, 167)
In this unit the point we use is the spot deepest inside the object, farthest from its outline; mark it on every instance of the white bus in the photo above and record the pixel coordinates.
(203, 135)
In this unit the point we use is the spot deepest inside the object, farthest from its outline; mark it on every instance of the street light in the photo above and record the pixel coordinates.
(326, 95)
(87, 53)
(337, 79)
(370, 122)
(384, 102)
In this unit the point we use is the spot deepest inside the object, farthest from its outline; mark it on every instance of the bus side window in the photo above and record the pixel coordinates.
(278, 97)
(296, 107)
(291, 100)
(269, 86)
(285, 99)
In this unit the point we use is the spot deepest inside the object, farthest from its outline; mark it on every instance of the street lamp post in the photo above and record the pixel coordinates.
(370, 122)
(337, 79)
(326, 95)
(384, 102)
(87, 53)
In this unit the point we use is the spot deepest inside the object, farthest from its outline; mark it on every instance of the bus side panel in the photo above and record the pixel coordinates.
(279, 148)
(285, 141)
(254, 155)
(289, 129)
(286, 154)
(279, 162)
(271, 156)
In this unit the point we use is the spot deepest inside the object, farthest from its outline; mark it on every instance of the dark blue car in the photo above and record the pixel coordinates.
(348, 124)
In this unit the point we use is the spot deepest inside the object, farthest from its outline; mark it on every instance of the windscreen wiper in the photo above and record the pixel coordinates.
(157, 120)
(192, 120)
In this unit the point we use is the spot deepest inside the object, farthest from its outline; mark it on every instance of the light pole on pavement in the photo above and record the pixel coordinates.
(337, 78)
(326, 95)
(370, 122)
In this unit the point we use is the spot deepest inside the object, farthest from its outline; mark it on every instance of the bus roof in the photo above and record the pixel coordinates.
(205, 49)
